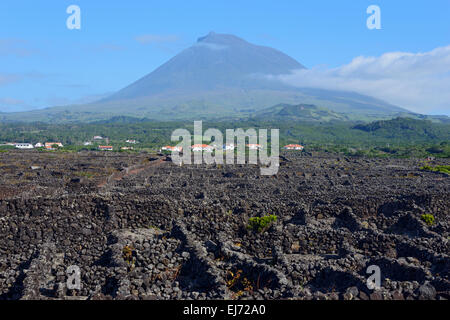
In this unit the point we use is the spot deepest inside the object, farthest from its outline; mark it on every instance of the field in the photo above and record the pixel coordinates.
(140, 227)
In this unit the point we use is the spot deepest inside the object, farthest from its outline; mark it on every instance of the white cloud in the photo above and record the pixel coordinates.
(8, 78)
(419, 82)
(64, 101)
(15, 47)
(11, 101)
(9, 104)
(108, 47)
(156, 38)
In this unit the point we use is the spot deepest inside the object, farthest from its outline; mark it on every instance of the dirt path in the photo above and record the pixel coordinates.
(129, 171)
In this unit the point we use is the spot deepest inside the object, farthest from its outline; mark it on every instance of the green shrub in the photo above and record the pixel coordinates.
(260, 224)
(428, 219)
(442, 169)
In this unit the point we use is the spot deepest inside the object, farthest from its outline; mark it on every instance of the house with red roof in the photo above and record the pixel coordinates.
(254, 146)
(51, 145)
(105, 148)
(294, 147)
(202, 147)
(170, 148)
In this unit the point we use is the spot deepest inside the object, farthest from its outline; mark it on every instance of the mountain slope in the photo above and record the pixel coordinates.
(220, 76)
(214, 62)
(301, 112)
(406, 128)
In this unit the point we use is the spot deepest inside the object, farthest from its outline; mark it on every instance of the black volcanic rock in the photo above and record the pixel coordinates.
(143, 234)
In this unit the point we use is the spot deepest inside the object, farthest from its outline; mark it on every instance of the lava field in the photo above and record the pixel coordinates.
(140, 227)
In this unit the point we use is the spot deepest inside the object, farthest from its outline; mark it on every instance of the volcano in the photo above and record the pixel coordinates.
(219, 76)
(215, 62)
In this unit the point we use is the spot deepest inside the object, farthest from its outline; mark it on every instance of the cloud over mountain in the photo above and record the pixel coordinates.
(15, 47)
(417, 81)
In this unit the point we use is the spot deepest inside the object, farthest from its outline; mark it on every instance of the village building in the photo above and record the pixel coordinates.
(229, 147)
(126, 148)
(254, 146)
(131, 141)
(38, 145)
(293, 147)
(23, 145)
(87, 143)
(202, 147)
(50, 145)
(98, 138)
(105, 148)
(170, 148)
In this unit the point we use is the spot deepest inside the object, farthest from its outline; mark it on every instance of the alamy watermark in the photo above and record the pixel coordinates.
(374, 280)
(74, 20)
(256, 150)
(73, 278)
(374, 20)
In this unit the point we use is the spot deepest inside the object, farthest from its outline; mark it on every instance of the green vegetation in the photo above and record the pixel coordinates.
(428, 219)
(442, 169)
(261, 224)
(301, 112)
(86, 174)
(400, 138)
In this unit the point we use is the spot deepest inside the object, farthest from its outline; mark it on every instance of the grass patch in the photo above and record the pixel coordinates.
(86, 174)
(441, 169)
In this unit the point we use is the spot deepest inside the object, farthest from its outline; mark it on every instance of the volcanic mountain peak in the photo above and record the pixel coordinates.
(220, 76)
(213, 37)
(215, 61)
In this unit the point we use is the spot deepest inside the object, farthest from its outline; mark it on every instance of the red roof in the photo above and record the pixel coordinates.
(173, 148)
(293, 146)
(201, 146)
(51, 144)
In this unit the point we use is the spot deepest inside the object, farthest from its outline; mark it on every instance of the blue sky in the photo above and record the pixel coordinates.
(42, 63)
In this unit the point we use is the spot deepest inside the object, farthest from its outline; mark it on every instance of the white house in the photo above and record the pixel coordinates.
(105, 148)
(131, 141)
(87, 143)
(23, 146)
(38, 145)
(202, 147)
(293, 147)
(49, 145)
(254, 146)
(170, 148)
(228, 147)
(98, 138)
